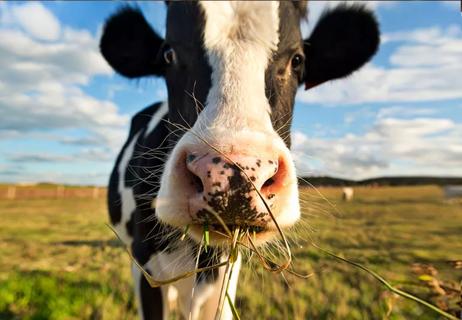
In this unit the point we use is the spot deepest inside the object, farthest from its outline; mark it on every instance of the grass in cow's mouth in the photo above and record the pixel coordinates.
(185, 232)
(214, 227)
(206, 236)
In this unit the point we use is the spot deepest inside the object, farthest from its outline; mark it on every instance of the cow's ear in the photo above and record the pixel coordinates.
(130, 45)
(343, 40)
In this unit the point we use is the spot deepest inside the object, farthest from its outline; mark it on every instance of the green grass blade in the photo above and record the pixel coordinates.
(206, 237)
(389, 286)
(233, 308)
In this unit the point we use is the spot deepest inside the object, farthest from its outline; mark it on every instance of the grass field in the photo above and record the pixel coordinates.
(58, 260)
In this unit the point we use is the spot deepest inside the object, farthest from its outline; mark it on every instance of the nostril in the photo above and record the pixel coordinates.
(268, 182)
(278, 177)
(197, 182)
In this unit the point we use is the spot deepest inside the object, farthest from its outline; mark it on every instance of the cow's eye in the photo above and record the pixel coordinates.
(297, 61)
(169, 55)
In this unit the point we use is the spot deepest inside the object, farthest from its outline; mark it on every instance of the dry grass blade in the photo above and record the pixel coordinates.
(233, 256)
(219, 219)
(267, 264)
(195, 281)
(270, 265)
(185, 232)
(157, 283)
(388, 285)
(268, 261)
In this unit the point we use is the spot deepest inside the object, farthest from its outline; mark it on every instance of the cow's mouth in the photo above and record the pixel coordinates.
(219, 235)
(251, 229)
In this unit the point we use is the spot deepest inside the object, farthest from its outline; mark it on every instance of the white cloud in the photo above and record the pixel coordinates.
(424, 68)
(36, 20)
(430, 47)
(41, 81)
(424, 146)
(428, 35)
(401, 111)
(87, 154)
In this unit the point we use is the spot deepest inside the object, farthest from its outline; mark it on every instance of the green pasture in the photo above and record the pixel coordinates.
(58, 260)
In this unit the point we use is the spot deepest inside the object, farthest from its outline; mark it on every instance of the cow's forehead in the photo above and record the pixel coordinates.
(246, 22)
(231, 51)
(186, 20)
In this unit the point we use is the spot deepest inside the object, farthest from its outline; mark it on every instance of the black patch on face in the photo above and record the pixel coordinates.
(281, 90)
(188, 80)
(216, 160)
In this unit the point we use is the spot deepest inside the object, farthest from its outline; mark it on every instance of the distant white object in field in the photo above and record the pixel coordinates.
(452, 191)
(347, 193)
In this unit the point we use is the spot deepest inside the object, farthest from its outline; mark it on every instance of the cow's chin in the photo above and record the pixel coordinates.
(219, 237)
(176, 214)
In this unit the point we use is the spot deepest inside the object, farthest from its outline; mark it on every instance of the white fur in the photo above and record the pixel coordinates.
(194, 301)
(156, 118)
(126, 194)
(239, 38)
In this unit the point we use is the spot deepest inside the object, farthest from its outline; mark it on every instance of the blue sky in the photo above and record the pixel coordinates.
(65, 113)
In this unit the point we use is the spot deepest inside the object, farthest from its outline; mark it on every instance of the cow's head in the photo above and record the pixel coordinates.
(232, 70)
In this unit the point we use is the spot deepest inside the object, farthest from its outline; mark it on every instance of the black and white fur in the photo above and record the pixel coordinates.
(250, 55)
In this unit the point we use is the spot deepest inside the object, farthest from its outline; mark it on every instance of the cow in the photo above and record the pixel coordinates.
(347, 193)
(221, 142)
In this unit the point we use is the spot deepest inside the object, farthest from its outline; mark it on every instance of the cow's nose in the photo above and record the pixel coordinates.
(226, 186)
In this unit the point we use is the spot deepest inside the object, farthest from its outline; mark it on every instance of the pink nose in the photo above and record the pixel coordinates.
(226, 186)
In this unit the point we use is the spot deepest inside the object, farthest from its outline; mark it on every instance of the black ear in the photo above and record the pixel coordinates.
(130, 45)
(343, 40)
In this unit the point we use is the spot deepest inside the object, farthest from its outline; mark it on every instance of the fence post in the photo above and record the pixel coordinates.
(95, 192)
(59, 191)
(11, 192)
